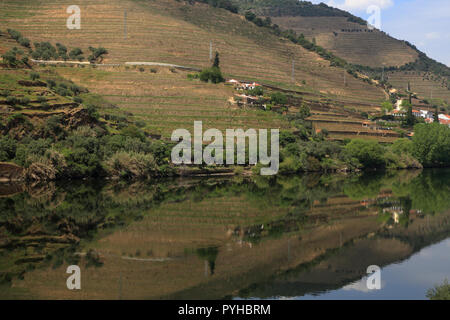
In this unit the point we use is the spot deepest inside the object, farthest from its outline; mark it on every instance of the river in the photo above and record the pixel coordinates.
(299, 237)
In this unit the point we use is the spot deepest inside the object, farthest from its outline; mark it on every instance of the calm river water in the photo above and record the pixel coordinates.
(305, 237)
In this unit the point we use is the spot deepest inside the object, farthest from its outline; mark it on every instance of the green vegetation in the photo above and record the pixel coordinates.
(307, 150)
(278, 98)
(213, 74)
(46, 51)
(224, 4)
(301, 40)
(85, 153)
(76, 54)
(386, 107)
(16, 35)
(440, 292)
(292, 8)
(97, 54)
(15, 58)
(431, 144)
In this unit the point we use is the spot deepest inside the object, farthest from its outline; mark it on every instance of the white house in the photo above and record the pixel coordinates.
(250, 86)
(426, 114)
(234, 82)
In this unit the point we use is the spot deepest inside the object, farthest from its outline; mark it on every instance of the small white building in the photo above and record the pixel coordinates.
(250, 86)
(426, 114)
(233, 82)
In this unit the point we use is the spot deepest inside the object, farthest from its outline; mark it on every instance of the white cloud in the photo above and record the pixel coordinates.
(360, 5)
(432, 36)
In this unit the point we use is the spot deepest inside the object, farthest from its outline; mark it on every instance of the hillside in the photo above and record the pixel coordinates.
(176, 32)
(164, 98)
(348, 37)
(168, 31)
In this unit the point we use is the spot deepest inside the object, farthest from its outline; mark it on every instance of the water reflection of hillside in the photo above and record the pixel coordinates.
(215, 238)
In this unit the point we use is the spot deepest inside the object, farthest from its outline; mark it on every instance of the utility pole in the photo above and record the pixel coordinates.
(210, 51)
(125, 24)
(293, 70)
(345, 78)
(382, 75)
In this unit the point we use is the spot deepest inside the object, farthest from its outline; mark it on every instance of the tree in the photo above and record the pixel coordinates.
(431, 144)
(216, 63)
(97, 53)
(34, 76)
(76, 54)
(250, 16)
(278, 98)
(410, 119)
(368, 152)
(386, 107)
(436, 114)
(304, 111)
(402, 146)
(10, 59)
(441, 292)
(213, 75)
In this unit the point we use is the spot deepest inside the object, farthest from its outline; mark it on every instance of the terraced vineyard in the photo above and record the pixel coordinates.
(351, 128)
(166, 100)
(425, 85)
(360, 46)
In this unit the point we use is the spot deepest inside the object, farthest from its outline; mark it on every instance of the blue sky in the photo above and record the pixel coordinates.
(424, 23)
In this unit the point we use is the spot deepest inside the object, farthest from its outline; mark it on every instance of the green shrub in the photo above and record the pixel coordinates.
(24, 101)
(5, 92)
(278, 98)
(34, 76)
(7, 149)
(51, 83)
(92, 111)
(440, 292)
(213, 75)
(25, 42)
(133, 132)
(369, 153)
(258, 91)
(10, 59)
(96, 54)
(431, 144)
(45, 106)
(26, 150)
(76, 54)
(11, 100)
(402, 146)
(16, 35)
(132, 165)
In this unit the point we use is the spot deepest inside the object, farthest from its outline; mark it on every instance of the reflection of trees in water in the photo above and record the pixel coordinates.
(45, 224)
(209, 255)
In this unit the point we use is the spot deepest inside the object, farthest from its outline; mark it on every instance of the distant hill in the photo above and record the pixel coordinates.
(349, 38)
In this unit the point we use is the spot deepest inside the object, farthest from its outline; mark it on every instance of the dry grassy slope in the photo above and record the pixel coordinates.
(175, 32)
(426, 85)
(374, 49)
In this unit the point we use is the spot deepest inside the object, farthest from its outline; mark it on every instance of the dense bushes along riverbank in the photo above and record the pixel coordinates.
(88, 152)
(92, 152)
